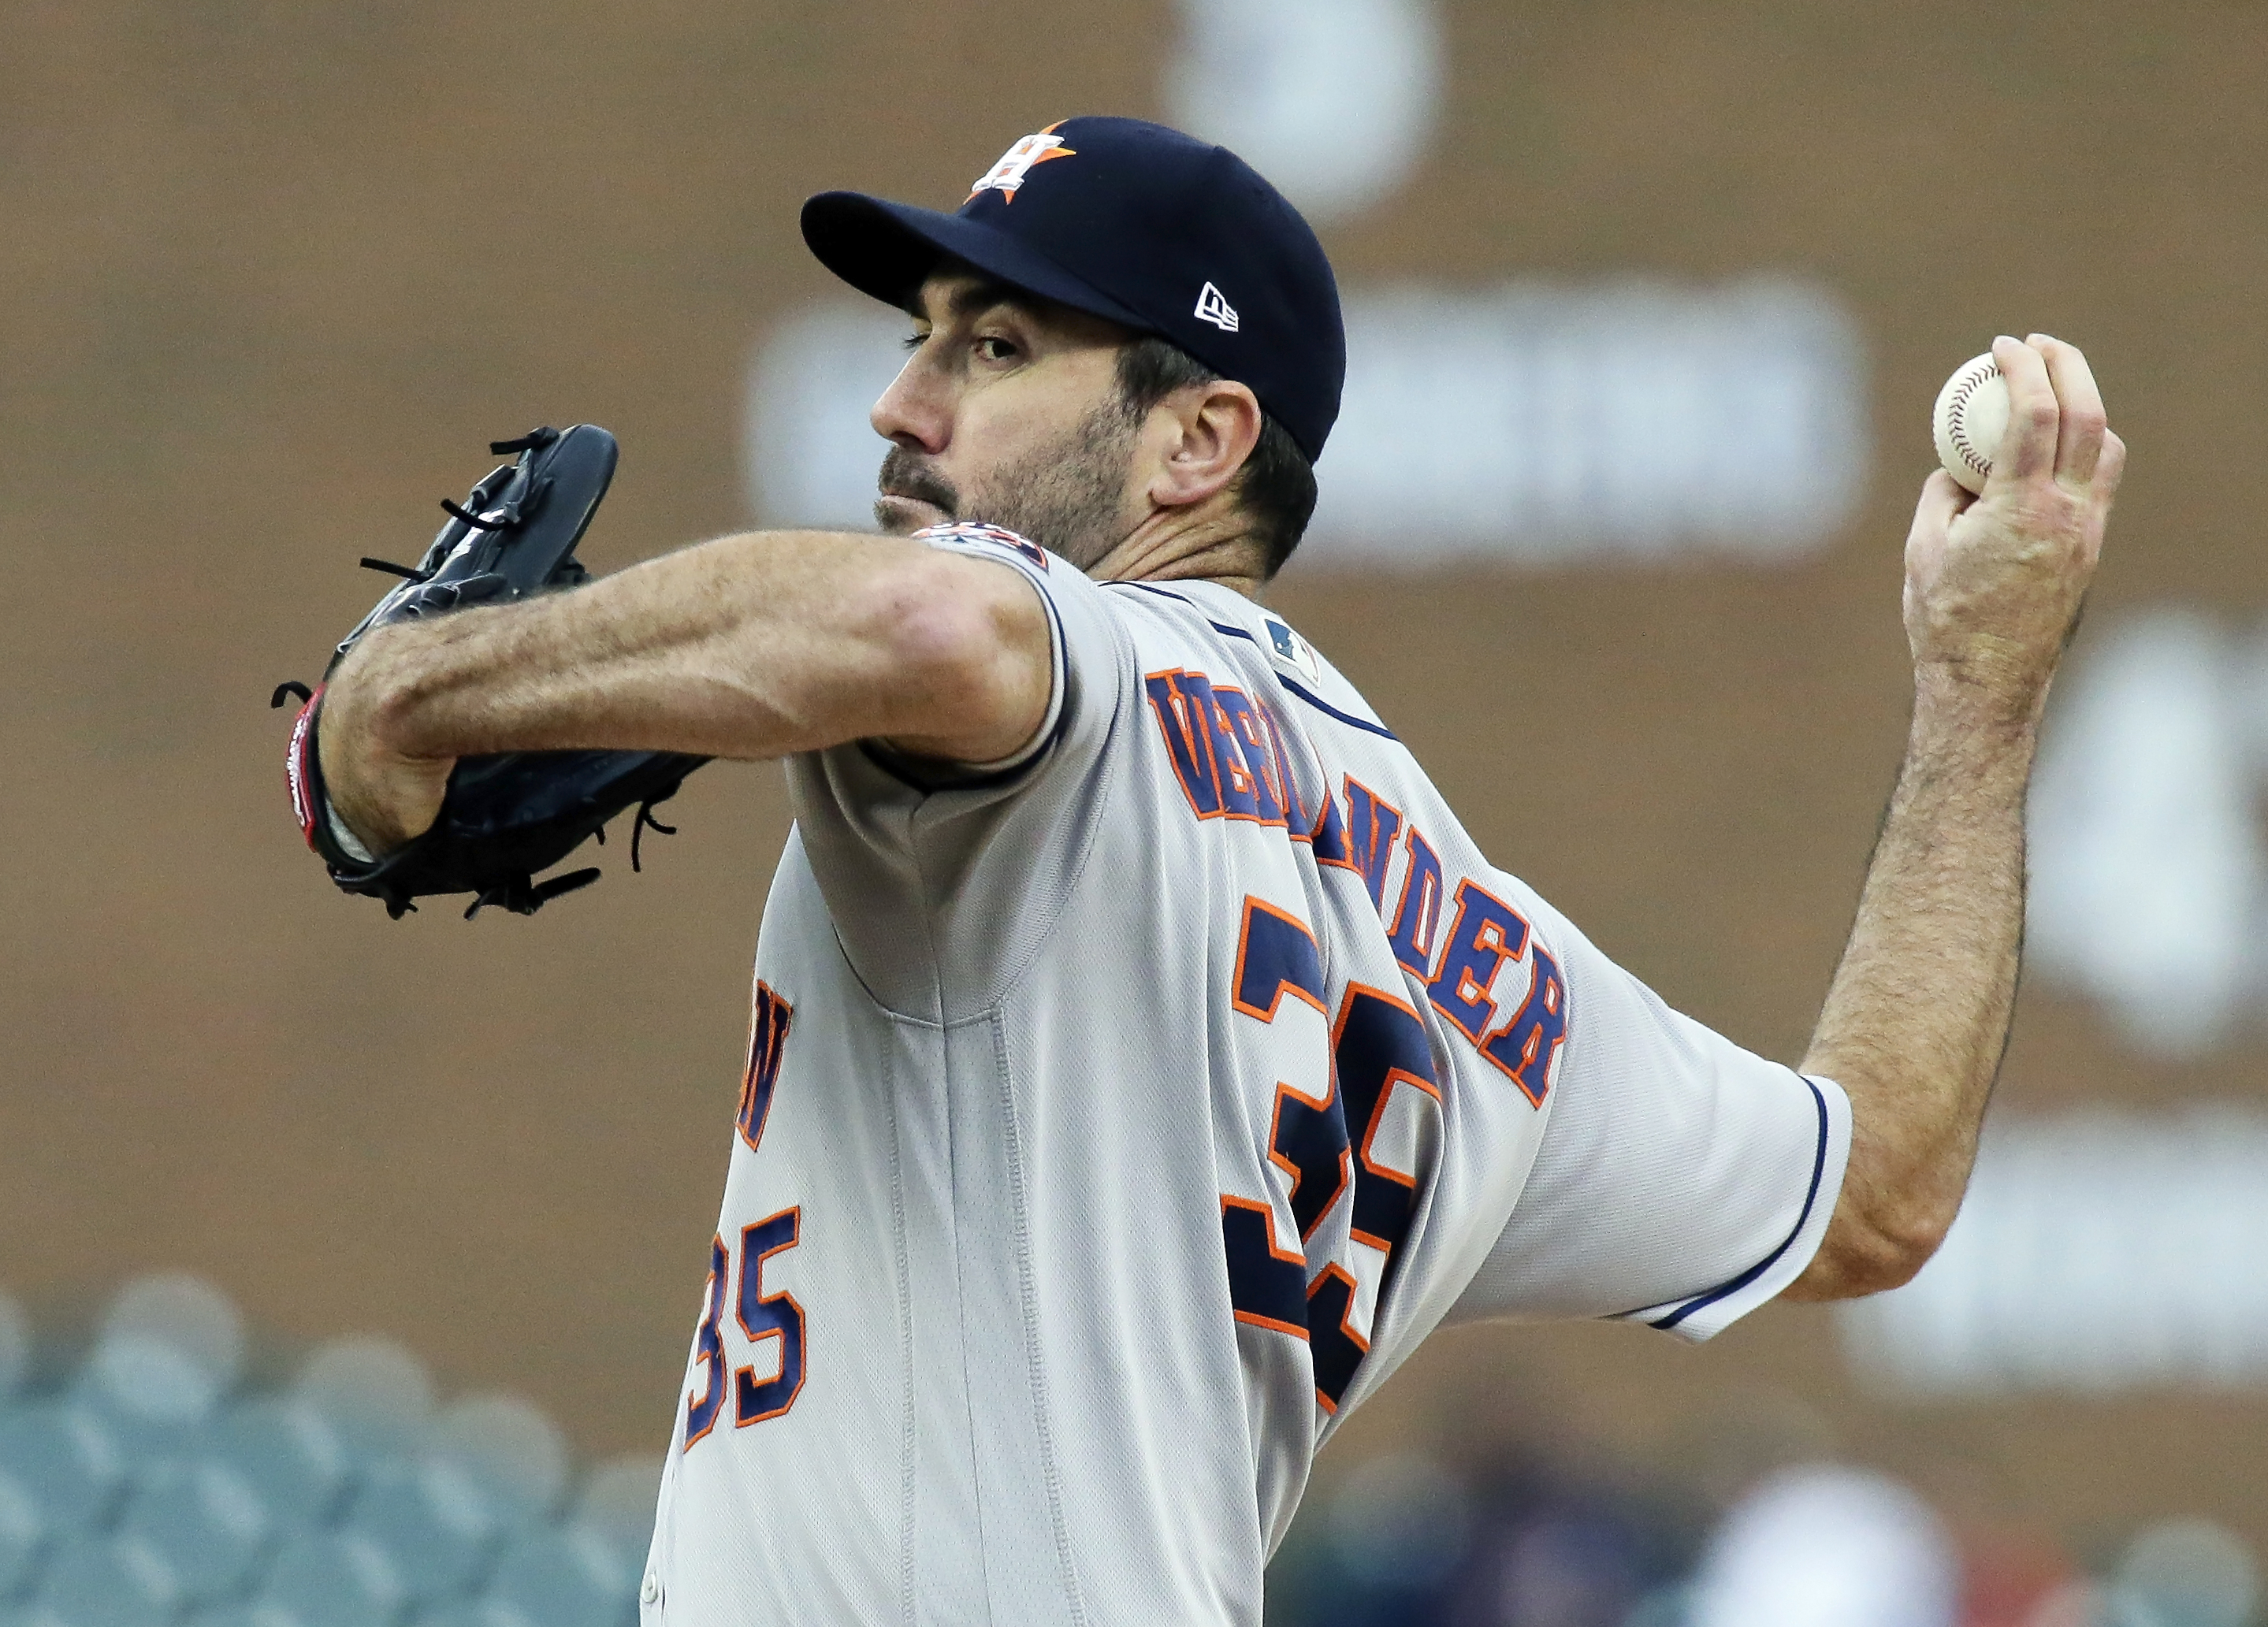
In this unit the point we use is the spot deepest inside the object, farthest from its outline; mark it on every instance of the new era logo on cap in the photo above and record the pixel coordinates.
(1212, 307)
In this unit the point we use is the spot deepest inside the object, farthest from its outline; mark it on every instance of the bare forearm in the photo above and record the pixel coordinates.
(750, 646)
(1917, 1018)
(1917, 1015)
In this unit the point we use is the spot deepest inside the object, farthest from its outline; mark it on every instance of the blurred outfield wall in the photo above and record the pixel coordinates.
(269, 275)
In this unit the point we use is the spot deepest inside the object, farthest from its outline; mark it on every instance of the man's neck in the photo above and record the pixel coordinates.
(1207, 544)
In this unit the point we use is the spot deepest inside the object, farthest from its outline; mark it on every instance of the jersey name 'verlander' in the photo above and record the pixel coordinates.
(1117, 1117)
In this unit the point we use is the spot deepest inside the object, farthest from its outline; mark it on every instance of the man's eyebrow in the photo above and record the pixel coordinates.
(974, 299)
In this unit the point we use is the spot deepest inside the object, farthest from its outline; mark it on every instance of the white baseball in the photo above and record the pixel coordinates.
(1972, 414)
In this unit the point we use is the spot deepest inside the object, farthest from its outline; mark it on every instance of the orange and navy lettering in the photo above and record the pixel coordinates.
(767, 1024)
(1420, 909)
(1252, 757)
(1329, 838)
(1380, 1042)
(1276, 957)
(1485, 934)
(765, 1316)
(1338, 1348)
(1227, 753)
(1287, 783)
(1307, 1139)
(1267, 1285)
(1526, 1047)
(1372, 824)
(1231, 754)
(762, 1316)
(702, 1403)
(1377, 1042)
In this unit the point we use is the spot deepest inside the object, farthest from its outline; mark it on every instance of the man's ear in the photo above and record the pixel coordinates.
(1202, 434)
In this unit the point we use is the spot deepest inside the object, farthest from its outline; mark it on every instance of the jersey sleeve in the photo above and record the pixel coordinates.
(1681, 1182)
(986, 854)
(1083, 650)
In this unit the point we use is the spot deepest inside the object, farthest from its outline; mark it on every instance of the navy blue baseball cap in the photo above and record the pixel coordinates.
(1136, 223)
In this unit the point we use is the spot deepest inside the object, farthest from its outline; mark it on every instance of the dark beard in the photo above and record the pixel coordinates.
(1068, 497)
(904, 474)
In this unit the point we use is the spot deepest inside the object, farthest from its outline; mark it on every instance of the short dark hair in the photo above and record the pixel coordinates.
(1276, 485)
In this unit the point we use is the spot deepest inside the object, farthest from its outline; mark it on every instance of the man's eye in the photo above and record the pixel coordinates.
(996, 349)
(914, 341)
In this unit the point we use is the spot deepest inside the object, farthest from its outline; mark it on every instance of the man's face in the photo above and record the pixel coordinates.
(1007, 411)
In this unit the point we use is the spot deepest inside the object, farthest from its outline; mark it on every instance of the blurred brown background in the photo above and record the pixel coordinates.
(269, 275)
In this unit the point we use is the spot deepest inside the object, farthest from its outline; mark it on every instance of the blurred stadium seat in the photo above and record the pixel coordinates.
(145, 1484)
(335, 1579)
(67, 1461)
(200, 1522)
(101, 1580)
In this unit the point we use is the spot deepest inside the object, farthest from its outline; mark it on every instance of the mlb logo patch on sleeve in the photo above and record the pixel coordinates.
(1293, 651)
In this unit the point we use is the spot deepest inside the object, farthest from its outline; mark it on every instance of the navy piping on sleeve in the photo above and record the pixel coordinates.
(1300, 691)
(901, 766)
(1328, 710)
(1818, 1169)
(1161, 592)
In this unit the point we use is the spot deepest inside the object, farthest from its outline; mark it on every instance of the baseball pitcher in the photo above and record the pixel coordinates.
(1144, 1059)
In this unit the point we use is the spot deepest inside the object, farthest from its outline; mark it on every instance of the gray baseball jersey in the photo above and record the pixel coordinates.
(1118, 1118)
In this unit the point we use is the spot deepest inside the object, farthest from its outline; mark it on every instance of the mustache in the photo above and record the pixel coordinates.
(904, 474)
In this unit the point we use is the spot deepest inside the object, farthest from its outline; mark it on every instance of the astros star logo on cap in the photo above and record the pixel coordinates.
(1016, 163)
(1157, 232)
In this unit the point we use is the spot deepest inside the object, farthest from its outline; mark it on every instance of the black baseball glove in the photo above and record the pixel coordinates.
(505, 817)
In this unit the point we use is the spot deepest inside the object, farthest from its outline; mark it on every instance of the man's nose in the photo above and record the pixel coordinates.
(915, 412)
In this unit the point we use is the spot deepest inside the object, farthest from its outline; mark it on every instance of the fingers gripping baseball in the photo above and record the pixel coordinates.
(1994, 584)
(2082, 426)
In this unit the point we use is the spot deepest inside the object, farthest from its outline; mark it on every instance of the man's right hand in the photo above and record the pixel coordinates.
(1994, 584)
(1915, 1024)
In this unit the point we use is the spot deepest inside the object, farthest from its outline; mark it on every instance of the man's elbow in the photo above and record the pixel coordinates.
(968, 641)
(1872, 1249)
